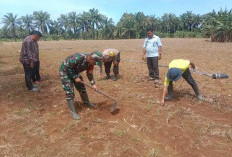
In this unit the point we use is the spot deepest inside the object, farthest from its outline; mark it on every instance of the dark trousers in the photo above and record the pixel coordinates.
(152, 64)
(188, 77)
(115, 68)
(35, 72)
(28, 76)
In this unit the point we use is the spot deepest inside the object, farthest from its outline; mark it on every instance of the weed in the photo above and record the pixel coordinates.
(218, 106)
(229, 135)
(158, 113)
(82, 136)
(153, 153)
(136, 139)
(120, 133)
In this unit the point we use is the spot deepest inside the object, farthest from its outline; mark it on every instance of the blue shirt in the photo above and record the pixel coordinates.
(152, 46)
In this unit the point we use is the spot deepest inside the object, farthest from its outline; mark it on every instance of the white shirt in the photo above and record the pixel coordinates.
(152, 46)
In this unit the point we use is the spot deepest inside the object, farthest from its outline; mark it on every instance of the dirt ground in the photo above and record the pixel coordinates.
(39, 124)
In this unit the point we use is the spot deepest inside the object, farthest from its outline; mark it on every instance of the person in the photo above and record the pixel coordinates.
(29, 57)
(70, 73)
(111, 56)
(152, 51)
(178, 68)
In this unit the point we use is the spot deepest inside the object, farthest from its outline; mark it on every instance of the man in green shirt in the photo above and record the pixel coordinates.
(178, 68)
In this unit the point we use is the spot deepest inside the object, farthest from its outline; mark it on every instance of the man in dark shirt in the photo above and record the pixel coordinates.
(29, 57)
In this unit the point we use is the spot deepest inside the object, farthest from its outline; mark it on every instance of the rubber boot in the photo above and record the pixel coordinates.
(72, 109)
(108, 76)
(115, 78)
(197, 91)
(170, 92)
(85, 99)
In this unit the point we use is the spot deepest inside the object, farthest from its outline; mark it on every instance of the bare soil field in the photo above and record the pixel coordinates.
(39, 124)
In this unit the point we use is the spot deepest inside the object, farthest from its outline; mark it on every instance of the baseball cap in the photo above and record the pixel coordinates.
(174, 74)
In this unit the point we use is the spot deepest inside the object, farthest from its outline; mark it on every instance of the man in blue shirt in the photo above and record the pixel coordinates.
(152, 49)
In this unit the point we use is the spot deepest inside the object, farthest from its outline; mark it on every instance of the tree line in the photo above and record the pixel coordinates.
(93, 25)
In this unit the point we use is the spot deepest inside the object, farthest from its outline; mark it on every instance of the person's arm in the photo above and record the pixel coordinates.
(159, 48)
(29, 54)
(160, 52)
(144, 49)
(89, 74)
(164, 94)
(192, 65)
(144, 54)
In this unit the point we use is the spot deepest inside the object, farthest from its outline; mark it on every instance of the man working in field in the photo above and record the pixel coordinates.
(152, 49)
(29, 57)
(111, 56)
(178, 68)
(70, 73)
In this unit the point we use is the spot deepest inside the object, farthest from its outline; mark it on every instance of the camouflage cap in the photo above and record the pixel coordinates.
(97, 56)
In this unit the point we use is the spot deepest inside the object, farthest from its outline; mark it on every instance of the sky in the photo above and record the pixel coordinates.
(112, 8)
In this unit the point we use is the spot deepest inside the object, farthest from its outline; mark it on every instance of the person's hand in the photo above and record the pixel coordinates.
(193, 66)
(162, 102)
(143, 57)
(78, 80)
(32, 65)
(160, 57)
(94, 87)
(115, 62)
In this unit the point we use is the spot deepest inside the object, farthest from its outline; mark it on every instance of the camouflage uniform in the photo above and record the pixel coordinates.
(70, 69)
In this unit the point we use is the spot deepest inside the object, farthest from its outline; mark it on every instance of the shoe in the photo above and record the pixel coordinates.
(150, 78)
(107, 77)
(85, 99)
(35, 85)
(156, 82)
(115, 78)
(90, 104)
(200, 97)
(72, 109)
(34, 89)
(169, 97)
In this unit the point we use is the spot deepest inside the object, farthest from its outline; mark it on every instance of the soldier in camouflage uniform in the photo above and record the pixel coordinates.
(70, 73)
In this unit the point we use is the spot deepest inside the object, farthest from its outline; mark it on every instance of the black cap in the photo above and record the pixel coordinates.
(36, 33)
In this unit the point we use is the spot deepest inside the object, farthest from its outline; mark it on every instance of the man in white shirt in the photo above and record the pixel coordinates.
(152, 49)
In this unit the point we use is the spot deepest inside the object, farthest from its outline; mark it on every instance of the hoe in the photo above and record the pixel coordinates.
(100, 92)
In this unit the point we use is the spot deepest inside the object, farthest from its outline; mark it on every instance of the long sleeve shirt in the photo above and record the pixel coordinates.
(29, 51)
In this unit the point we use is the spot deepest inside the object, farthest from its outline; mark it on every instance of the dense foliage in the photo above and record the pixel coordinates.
(93, 25)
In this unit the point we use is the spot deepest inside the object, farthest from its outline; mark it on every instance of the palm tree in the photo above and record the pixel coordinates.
(218, 25)
(85, 22)
(107, 28)
(95, 21)
(27, 23)
(73, 21)
(140, 26)
(63, 22)
(128, 25)
(42, 20)
(10, 23)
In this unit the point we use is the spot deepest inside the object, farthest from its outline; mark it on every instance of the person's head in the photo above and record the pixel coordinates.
(36, 35)
(95, 58)
(174, 74)
(109, 57)
(149, 32)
